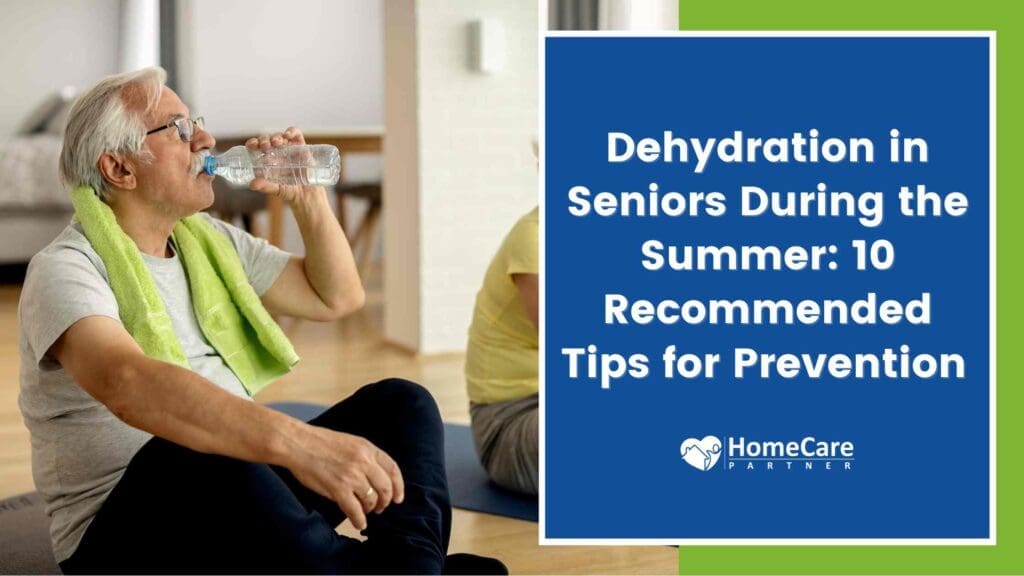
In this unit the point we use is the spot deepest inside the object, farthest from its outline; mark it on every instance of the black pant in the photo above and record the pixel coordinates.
(181, 511)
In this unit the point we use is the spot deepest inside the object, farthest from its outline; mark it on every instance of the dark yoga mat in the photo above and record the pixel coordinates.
(468, 483)
(301, 410)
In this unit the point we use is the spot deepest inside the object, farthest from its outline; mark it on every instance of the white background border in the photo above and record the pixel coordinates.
(542, 142)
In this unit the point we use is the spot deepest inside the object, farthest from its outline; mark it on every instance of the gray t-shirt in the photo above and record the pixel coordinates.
(79, 448)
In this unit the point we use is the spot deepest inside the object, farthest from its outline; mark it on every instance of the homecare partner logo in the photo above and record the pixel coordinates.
(807, 453)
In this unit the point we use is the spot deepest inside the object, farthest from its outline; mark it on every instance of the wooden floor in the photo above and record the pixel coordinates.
(337, 359)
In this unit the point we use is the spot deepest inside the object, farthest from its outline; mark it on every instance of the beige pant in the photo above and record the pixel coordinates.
(505, 435)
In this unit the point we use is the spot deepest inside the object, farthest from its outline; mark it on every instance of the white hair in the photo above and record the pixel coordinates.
(101, 121)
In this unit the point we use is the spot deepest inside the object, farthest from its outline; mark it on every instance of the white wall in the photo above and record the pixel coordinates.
(246, 65)
(251, 67)
(48, 44)
(266, 65)
(638, 15)
(476, 171)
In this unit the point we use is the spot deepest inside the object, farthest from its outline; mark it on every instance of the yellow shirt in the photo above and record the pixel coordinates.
(501, 357)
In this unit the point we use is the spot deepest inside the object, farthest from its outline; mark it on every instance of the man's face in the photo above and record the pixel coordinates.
(166, 181)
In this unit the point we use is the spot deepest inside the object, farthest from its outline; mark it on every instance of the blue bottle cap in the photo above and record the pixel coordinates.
(209, 165)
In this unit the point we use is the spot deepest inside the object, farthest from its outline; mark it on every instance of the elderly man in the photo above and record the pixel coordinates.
(145, 331)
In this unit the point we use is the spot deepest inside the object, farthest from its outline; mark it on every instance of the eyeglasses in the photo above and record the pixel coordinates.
(186, 127)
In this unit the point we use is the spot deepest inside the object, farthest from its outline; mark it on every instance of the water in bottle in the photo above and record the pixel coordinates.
(297, 164)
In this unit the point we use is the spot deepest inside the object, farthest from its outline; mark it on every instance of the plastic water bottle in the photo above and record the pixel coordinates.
(296, 164)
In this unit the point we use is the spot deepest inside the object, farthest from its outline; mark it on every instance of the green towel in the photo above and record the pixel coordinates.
(228, 310)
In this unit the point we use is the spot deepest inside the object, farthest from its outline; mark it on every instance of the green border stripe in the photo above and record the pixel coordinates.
(1007, 557)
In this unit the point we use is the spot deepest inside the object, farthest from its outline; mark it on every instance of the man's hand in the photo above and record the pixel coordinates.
(349, 470)
(288, 193)
(324, 284)
(177, 404)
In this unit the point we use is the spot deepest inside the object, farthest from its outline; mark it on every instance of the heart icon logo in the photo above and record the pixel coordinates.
(701, 454)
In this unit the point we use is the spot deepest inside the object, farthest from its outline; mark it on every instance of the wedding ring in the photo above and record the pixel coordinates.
(369, 493)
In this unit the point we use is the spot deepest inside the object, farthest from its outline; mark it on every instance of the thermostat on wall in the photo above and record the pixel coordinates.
(487, 45)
